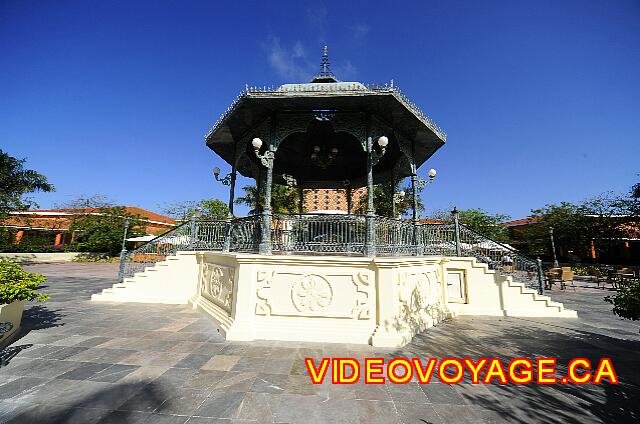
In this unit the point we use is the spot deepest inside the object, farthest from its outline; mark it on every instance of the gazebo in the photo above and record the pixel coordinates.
(324, 134)
(332, 277)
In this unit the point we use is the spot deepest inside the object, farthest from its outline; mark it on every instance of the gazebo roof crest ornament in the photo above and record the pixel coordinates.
(326, 85)
(327, 89)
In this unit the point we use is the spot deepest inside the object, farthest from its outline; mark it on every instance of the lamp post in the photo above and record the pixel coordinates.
(123, 251)
(266, 159)
(553, 248)
(372, 159)
(418, 184)
(456, 222)
(228, 180)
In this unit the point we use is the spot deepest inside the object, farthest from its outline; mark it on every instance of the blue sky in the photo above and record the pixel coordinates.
(540, 100)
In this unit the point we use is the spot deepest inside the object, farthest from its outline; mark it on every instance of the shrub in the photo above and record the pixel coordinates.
(626, 302)
(96, 257)
(587, 270)
(18, 284)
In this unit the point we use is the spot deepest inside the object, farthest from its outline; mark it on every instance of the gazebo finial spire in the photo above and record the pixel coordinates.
(325, 74)
(324, 68)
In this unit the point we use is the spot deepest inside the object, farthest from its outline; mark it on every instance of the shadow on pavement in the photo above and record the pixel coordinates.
(99, 406)
(38, 317)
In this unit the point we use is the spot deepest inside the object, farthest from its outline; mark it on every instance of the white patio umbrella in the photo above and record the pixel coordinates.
(146, 238)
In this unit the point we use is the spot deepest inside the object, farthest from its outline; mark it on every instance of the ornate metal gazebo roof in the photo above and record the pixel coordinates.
(332, 114)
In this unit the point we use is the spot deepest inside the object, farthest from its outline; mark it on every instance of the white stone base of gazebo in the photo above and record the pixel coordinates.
(381, 301)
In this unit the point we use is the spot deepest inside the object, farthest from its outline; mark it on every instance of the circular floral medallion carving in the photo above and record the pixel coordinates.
(312, 293)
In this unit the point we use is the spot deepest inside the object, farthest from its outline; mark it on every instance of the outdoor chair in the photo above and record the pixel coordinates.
(567, 277)
(624, 274)
(613, 279)
(598, 277)
(552, 276)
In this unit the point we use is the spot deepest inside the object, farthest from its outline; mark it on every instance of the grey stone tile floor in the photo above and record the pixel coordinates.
(82, 362)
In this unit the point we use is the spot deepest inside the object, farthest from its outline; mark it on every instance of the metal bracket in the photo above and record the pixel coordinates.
(289, 180)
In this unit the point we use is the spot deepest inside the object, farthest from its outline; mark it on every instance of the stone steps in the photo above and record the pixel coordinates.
(160, 283)
(528, 301)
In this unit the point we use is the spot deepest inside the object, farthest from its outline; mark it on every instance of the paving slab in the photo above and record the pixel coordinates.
(80, 361)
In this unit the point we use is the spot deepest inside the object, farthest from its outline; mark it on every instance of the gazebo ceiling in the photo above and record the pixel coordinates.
(296, 117)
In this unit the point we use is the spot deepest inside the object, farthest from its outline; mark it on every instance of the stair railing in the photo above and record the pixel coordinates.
(156, 250)
(501, 257)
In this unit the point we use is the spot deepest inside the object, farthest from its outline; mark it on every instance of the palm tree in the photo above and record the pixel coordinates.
(283, 200)
(16, 182)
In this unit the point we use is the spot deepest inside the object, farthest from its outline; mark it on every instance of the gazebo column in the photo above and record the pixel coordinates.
(369, 246)
(229, 226)
(265, 241)
(414, 208)
(393, 192)
(232, 190)
(414, 200)
(266, 159)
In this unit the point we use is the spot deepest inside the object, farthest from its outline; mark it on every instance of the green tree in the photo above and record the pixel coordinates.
(383, 198)
(16, 182)
(609, 218)
(207, 209)
(479, 220)
(283, 199)
(104, 232)
(603, 219)
(83, 201)
(214, 209)
(486, 223)
(570, 231)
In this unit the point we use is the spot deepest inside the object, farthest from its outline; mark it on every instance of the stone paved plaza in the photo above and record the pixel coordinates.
(84, 362)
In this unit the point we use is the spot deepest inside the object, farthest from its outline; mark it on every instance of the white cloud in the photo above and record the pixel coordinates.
(360, 31)
(345, 70)
(296, 64)
(290, 63)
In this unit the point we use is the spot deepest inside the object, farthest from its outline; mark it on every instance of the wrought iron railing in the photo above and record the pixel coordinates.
(210, 235)
(396, 237)
(344, 234)
(318, 233)
(438, 239)
(245, 234)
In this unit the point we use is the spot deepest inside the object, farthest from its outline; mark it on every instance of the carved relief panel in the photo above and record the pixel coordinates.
(419, 291)
(313, 294)
(216, 284)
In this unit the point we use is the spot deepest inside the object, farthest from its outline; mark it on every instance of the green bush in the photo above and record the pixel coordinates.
(18, 284)
(96, 257)
(587, 270)
(626, 302)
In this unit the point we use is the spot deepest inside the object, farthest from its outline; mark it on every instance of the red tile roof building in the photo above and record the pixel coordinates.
(56, 222)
